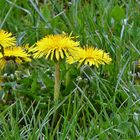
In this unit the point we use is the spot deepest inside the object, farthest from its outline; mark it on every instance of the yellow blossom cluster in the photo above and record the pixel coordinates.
(56, 47)
(10, 51)
(53, 47)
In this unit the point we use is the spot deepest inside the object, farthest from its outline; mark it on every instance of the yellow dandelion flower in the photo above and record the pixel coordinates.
(54, 47)
(17, 54)
(89, 56)
(6, 39)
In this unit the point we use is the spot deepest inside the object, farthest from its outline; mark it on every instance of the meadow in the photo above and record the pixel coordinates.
(43, 97)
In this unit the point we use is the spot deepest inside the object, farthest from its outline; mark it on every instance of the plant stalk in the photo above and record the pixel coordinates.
(56, 93)
(57, 82)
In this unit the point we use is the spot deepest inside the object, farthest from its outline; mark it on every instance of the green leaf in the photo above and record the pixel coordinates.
(118, 13)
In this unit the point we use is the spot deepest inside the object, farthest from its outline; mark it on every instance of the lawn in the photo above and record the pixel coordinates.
(85, 85)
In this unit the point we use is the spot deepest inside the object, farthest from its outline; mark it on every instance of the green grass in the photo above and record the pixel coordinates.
(98, 104)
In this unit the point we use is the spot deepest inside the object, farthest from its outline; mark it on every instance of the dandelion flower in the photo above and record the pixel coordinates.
(54, 47)
(17, 54)
(89, 56)
(6, 39)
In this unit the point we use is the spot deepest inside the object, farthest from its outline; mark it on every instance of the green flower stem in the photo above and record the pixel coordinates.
(56, 93)
(57, 82)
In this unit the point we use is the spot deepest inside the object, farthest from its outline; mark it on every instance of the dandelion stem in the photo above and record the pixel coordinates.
(56, 93)
(57, 82)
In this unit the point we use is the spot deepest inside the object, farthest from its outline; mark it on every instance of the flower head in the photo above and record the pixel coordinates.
(54, 47)
(17, 54)
(6, 39)
(90, 56)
